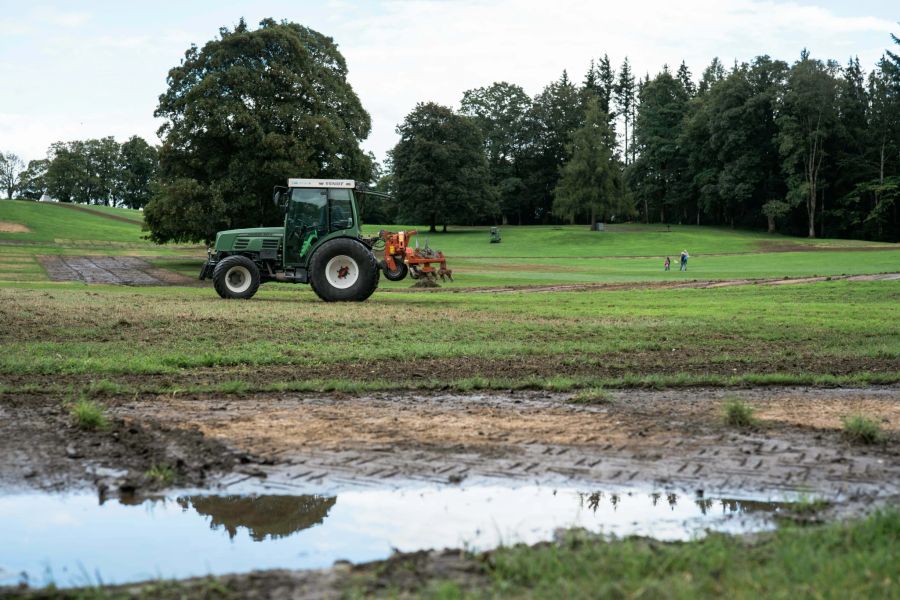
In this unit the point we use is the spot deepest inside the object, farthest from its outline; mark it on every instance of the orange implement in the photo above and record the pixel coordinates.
(399, 257)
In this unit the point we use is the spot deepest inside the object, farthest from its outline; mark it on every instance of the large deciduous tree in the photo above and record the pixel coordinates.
(591, 184)
(32, 181)
(440, 171)
(808, 119)
(138, 163)
(500, 110)
(245, 112)
(10, 167)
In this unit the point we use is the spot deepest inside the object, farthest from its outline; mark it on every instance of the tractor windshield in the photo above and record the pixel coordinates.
(309, 207)
(323, 209)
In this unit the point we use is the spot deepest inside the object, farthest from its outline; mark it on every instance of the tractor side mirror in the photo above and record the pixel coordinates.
(280, 196)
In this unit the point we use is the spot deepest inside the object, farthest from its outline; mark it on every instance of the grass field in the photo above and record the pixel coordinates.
(527, 255)
(136, 352)
(852, 560)
(287, 337)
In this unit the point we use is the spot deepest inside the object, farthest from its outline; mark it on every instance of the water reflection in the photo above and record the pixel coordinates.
(706, 505)
(263, 516)
(193, 535)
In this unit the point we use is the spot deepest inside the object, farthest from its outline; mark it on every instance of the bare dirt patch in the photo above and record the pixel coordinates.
(118, 270)
(673, 437)
(639, 285)
(8, 227)
(44, 449)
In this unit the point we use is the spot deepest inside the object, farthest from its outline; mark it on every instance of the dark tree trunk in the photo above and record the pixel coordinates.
(433, 224)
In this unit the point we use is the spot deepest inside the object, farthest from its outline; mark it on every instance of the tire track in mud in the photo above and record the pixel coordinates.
(640, 285)
(671, 439)
(116, 270)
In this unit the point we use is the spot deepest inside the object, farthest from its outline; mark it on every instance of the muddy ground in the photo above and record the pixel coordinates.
(293, 441)
(42, 448)
(120, 270)
(296, 443)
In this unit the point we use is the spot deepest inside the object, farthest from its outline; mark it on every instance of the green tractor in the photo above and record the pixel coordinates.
(320, 244)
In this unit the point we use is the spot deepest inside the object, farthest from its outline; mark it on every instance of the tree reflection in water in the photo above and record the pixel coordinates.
(263, 516)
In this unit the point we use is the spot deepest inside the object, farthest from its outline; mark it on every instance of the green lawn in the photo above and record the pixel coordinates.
(527, 256)
(856, 559)
(50, 221)
(286, 338)
(618, 240)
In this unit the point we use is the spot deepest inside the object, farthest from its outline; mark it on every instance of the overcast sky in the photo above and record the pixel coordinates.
(90, 69)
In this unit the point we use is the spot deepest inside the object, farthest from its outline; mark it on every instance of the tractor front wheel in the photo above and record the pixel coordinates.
(343, 270)
(398, 274)
(236, 277)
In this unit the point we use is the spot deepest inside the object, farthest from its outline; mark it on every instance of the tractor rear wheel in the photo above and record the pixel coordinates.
(236, 277)
(343, 270)
(398, 274)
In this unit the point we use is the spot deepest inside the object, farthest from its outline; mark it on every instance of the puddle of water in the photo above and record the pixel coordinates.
(73, 540)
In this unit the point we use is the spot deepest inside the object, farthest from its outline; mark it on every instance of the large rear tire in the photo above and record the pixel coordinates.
(397, 275)
(236, 277)
(343, 270)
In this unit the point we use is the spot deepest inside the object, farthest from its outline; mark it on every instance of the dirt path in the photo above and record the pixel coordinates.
(664, 438)
(634, 285)
(121, 270)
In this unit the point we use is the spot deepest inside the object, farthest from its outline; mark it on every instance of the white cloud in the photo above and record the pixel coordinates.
(52, 18)
(101, 74)
(435, 50)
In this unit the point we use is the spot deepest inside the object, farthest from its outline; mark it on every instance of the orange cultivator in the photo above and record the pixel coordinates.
(400, 258)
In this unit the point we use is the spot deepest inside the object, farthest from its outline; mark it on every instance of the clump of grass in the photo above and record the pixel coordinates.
(103, 387)
(862, 430)
(808, 505)
(234, 387)
(161, 474)
(89, 415)
(591, 396)
(738, 413)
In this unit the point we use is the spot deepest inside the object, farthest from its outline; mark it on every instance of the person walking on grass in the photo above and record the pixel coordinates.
(684, 259)
(668, 263)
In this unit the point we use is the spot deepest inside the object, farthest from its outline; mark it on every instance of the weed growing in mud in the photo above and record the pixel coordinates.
(591, 396)
(738, 413)
(862, 430)
(89, 415)
(807, 504)
(234, 387)
(103, 387)
(161, 474)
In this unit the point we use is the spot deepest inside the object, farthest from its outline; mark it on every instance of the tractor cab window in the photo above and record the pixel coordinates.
(309, 207)
(341, 209)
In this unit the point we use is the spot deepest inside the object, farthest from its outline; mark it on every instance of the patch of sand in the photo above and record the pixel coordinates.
(8, 227)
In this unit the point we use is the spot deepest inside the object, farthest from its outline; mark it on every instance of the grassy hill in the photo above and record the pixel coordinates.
(66, 223)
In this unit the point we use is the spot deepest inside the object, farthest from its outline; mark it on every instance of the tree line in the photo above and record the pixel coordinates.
(94, 171)
(811, 148)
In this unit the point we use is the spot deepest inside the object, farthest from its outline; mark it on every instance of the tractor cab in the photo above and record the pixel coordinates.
(314, 210)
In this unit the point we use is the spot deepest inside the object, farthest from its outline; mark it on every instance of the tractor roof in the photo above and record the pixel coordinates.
(321, 183)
